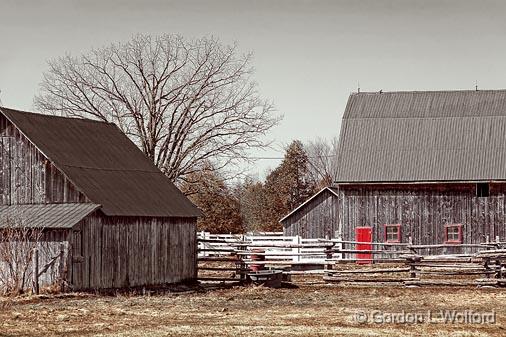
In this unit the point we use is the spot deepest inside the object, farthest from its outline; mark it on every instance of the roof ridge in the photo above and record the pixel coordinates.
(381, 92)
(425, 117)
(55, 116)
(110, 169)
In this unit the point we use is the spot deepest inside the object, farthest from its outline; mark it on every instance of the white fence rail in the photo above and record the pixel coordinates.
(298, 253)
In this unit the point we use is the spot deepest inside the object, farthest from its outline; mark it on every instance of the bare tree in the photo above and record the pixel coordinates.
(322, 158)
(183, 102)
(16, 247)
(18, 241)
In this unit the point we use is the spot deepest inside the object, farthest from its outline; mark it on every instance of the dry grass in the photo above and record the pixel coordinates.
(309, 310)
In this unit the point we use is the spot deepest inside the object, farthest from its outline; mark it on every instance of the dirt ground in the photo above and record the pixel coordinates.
(309, 309)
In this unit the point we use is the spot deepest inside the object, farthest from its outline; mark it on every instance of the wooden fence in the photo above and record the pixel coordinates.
(276, 246)
(294, 255)
(485, 268)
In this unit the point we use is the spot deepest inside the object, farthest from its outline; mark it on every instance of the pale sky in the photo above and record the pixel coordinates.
(309, 55)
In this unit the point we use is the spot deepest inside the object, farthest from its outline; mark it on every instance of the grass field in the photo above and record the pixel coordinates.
(310, 309)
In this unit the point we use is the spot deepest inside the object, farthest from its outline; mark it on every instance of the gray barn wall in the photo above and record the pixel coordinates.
(120, 252)
(422, 210)
(316, 219)
(48, 246)
(116, 252)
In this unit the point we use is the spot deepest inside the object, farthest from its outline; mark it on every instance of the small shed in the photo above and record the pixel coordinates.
(85, 184)
(429, 166)
(317, 217)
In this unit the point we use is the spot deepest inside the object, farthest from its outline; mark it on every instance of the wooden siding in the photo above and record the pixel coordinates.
(316, 219)
(48, 247)
(423, 212)
(117, 252)
(27, 176)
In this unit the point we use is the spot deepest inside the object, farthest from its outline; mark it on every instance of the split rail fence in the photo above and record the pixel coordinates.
(416, 264)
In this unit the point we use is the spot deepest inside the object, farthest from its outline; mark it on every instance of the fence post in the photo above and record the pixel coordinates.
(412, 269)
(412, 265)
(487, 267)
(329, 253)
(200, 244)
(241, 265)
(35, 271)
(340, 247)
(61, 267)
(410, 244)
(296, 250)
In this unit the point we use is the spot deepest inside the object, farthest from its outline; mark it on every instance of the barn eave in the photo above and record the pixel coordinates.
(45, 216)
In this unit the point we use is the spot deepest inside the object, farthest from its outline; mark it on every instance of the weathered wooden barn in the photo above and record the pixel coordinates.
(85, 183)
(317, 217)
(430, 166)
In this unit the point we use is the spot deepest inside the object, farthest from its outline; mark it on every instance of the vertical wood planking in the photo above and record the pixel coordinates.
(422, 210)
(128, 251)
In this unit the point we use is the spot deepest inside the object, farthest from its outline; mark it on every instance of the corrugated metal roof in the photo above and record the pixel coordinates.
(44, 215)
(423, 136)
(425, 104)
(105, 165)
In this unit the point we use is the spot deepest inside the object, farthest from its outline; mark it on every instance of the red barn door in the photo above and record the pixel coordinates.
(364, 234)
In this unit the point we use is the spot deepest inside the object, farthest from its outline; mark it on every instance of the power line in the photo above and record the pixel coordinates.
(281, 158)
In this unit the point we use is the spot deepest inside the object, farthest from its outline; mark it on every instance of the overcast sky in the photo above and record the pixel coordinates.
(309, 55)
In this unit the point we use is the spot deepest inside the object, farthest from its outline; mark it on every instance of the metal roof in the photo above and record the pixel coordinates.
(105, 165)
(423, 137)
(44, 215)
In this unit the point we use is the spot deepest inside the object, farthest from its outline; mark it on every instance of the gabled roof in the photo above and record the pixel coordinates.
(330, 189)
(104, 164)
(423, 136)
(45, 215)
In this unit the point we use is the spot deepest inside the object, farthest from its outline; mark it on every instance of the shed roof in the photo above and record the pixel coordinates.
(104, 164)
(423, 136)
(44, 215)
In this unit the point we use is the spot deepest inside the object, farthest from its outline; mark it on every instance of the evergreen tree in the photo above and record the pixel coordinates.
(287, 186)
(250, 194)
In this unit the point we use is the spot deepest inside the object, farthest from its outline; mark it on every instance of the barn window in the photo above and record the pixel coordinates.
(482, 190)
(453, 233)
(393, 233)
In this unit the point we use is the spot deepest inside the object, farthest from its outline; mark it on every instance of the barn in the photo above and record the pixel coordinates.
(85, 184)
(425, 166)
(317, 217)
